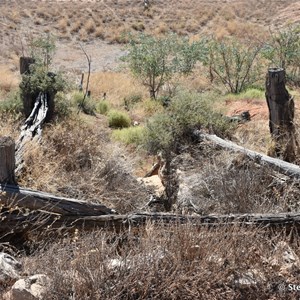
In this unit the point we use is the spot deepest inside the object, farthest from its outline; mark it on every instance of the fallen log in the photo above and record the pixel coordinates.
(278, 165)
(12, 195)
(38, 221)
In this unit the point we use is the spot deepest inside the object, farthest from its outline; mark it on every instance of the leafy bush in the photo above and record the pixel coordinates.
(155, 61)
(12, 104)
(40, 79)
(168, 130)
(62, 105)
(283, 51)
(131, 100)
(232, 63)
(131, 135)
(102, 107)
(151, 107)
(118, 119)
(88, 106)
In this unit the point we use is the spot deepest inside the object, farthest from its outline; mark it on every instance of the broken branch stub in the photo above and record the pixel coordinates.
(281, 116)
(7, 160)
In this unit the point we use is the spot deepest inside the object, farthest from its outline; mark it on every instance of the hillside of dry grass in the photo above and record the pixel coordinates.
(92, 21)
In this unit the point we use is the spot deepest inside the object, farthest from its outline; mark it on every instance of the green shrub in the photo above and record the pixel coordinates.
(102, 107)
(12, 104)
(130, 135)
(151, 107)
(88, 106)
(63, 107)
(253, 94)
(249, 94)
(165, 100)
(118, 119)
(232, 63)
(187, 112)
(131, 100)
(283, 51)
(40, 79)
(154, 61)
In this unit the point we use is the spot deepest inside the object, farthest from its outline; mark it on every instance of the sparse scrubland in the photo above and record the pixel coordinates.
(187, 65)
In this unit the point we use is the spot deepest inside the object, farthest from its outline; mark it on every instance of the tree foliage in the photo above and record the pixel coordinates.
(42, 50)
(188, 111)
(155, 61)
(40, 78)
(283, 51)
(232, 63)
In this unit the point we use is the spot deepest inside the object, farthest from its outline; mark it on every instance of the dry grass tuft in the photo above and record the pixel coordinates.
(63, 24)
(8, 80)
(89, 26)
(75, 27)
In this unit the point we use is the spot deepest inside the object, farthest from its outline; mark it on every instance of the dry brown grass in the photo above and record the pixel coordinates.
(90, 26)
(9, 126)
(116, 85)
(63, 24)
(78, 160)
(183, 17)
(8, 79)
(169, 262)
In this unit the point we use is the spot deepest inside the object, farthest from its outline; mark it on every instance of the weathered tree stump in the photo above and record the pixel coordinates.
(281, 115)
(7, 160)
(25, 63)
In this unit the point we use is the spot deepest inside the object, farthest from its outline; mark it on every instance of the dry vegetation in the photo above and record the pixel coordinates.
(223, 263)
(87, 21)
(82, 163)
(78, 158)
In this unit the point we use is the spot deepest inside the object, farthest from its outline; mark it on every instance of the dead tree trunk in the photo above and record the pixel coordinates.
(281, 115)
(7, 160)
(25, 63)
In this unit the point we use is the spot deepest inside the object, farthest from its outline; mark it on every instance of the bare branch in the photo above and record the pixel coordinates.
(89, 61)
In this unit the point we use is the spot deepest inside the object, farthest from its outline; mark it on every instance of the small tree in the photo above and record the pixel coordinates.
(39, 78)
(167, 132)
(232, 63)
(283, 51)
(155, 61)
(42, 50)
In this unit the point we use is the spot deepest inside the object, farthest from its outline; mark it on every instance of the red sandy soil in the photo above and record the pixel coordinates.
(258, 109)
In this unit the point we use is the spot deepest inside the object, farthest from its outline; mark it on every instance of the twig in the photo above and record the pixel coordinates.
(89, 60)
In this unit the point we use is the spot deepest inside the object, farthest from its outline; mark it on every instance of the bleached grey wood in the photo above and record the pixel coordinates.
(279, 165)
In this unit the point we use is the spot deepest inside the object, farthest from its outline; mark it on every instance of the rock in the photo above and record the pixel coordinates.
(137, 261)
(249, 278)
(9, 268)
(153, 184)
(241, 118)
(31, 288)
